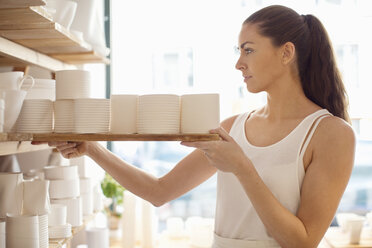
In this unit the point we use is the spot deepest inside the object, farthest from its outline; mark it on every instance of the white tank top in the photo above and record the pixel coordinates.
(280, 166)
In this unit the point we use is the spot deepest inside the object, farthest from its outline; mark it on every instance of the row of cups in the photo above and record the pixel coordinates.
(164, 113)
(15, 87)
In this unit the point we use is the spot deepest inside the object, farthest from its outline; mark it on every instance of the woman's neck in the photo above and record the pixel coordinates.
(288, 101)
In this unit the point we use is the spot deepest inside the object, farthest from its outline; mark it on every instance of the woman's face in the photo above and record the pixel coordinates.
(259, 61)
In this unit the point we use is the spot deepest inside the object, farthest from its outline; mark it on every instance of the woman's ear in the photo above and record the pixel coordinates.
(288, 52)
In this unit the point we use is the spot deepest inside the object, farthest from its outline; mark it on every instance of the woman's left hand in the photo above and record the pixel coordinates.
(226, 155)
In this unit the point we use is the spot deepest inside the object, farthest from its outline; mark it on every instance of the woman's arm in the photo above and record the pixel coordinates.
(186, 175)
(332, 149)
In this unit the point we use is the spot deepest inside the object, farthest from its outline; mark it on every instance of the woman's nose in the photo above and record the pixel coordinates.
(239, 65)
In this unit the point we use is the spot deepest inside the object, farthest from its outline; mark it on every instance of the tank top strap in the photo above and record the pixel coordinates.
(310, 130)
(239, 121)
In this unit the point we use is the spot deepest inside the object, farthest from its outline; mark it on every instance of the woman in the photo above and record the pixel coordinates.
(283, 168)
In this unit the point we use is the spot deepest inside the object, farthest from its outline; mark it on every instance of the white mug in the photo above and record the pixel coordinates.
(13, 80)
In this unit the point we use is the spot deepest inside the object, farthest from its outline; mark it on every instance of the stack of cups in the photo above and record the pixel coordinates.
(2, 234)
(91, 115)
(43, 231)
(123, 114)
(13, 95)
(199, 113)
(36, 202)
(58, 228)
(158, 114)
(42, 89)
(64, 116)
(65, 189)
(36, 116)
(2, 108)
(72, 84)
(22, 231)
(86, 195)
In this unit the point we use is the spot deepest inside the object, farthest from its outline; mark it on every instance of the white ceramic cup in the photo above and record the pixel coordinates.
(13, 80)
(123, 113)
(57, 215)
(97, 237)
(354, 228)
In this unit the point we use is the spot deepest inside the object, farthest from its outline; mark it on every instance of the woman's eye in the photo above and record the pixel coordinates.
(248, 51)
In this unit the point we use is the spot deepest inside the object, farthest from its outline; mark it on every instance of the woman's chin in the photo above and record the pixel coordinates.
(253, 89)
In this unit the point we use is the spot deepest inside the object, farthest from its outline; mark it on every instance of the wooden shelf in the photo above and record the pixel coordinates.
(13, 147)
(13, 54)
(33, 28)
(20, 3)
(106, 137)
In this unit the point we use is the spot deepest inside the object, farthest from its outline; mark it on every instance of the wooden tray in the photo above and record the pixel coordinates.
(106, 137)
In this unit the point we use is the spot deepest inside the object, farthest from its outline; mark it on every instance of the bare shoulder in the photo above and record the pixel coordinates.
(227, 123)
(334, 135)
(335, 128)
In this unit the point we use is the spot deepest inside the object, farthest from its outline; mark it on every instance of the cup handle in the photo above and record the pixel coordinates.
(23, 79)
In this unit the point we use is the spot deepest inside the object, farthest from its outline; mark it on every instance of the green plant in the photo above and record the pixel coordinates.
(113, 190)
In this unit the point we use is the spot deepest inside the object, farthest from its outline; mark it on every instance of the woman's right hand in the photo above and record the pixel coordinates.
(71, 149)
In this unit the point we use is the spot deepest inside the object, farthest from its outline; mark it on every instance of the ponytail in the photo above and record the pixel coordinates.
(320, 78)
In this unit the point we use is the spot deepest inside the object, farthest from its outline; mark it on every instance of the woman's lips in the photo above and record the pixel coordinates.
(246, 78)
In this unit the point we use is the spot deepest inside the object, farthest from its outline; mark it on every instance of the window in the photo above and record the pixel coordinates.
(188, 46)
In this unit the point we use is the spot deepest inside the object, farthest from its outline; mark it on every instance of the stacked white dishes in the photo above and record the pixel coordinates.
(10, 90)
(72, 84)
(200, 113)
(64, 116)
(65, 189)
(22, 231)
(158, 114)
(74, 210)
(13, 103)
(123, 114)
(43, 231)
(59, 232)
(36, 116)
(58, 228)
(86, 196)
(2, 234)
(64, 181)
(57, 215)
(42, 89)
(92, 115)
(11, 193)
(36, 197)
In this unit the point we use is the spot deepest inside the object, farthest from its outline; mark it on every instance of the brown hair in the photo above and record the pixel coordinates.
(320, 78)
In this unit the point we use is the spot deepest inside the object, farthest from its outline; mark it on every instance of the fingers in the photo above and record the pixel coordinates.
(68, 152)
(196, 144)
(57, 143)
(66, 146)
(38, 142)
(222, 132)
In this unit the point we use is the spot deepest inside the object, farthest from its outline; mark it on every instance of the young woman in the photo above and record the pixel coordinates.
(283, 168)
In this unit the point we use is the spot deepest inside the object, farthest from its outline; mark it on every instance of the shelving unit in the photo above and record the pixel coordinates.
(33, 28)
(28, 36)
(106, 137)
